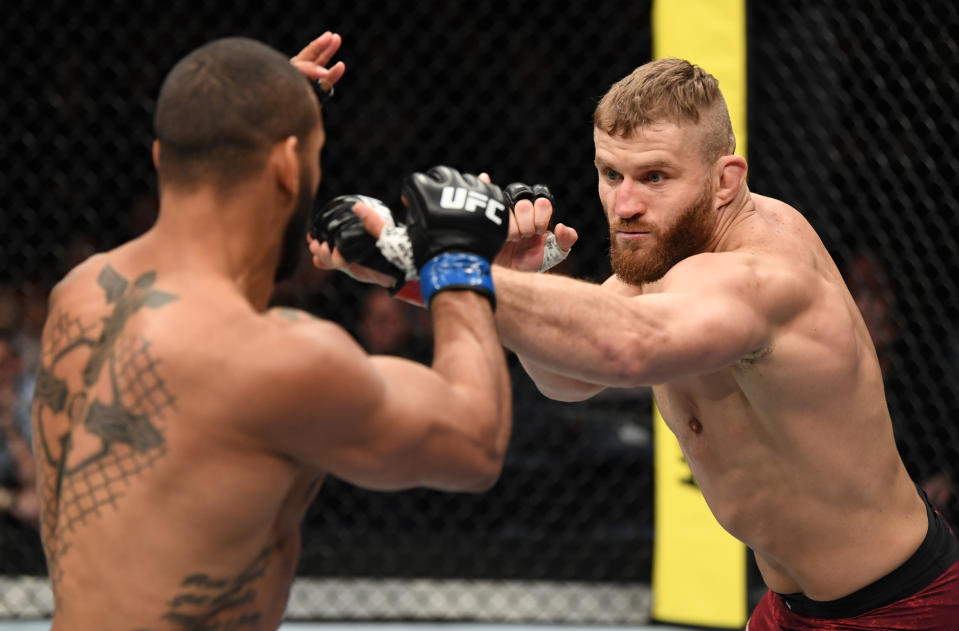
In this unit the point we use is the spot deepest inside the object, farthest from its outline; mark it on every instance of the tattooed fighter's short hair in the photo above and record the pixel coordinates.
(222, 108)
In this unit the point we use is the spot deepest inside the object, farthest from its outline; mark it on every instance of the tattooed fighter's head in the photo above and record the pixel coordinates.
(236, 112)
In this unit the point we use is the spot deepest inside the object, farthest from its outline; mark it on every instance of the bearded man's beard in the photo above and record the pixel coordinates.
(294, 236)
(686, 237)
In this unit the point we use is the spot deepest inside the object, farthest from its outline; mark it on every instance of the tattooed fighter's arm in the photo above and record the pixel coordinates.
(387, 423)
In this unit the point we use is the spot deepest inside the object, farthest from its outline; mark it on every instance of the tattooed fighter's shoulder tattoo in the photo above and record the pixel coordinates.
(124, 414)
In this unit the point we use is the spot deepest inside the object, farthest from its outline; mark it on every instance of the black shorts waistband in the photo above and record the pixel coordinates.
(937, 552)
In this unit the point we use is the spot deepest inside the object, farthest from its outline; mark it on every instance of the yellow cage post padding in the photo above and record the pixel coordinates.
(711, 34)
(699, 570)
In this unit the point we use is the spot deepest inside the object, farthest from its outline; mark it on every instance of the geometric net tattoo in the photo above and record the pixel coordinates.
(128, 423)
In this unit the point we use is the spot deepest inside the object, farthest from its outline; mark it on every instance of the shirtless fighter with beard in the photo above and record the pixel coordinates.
(727, 303)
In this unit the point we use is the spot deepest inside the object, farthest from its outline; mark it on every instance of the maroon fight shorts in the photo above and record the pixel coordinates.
(922, 594)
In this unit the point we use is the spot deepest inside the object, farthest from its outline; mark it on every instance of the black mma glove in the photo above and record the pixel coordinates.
(338, 225)
(457, 224)
(518, 191)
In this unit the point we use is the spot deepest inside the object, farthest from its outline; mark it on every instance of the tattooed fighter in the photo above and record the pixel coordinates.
(182, 428)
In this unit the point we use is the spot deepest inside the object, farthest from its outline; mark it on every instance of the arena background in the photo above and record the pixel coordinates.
(851, 120)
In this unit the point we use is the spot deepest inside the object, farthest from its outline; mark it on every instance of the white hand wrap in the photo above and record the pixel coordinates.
(395, 246)
(553, 255)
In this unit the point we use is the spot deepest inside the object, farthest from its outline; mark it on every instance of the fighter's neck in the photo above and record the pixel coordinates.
(729, 220)
(204, 235)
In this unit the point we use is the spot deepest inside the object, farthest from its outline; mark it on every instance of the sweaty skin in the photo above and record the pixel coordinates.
(759, 360)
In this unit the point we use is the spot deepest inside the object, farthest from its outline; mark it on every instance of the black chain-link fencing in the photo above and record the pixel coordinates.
(851, 120)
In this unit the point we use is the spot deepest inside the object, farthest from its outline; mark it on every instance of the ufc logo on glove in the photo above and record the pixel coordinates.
(455, 198)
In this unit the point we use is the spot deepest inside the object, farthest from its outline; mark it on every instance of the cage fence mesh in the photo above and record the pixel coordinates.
(851, 120)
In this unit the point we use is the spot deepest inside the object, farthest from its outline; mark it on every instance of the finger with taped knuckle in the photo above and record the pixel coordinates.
(553, 255)
(457, 224)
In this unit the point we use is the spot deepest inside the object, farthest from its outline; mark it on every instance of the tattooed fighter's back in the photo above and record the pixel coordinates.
(155, 490)
(181, 427)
